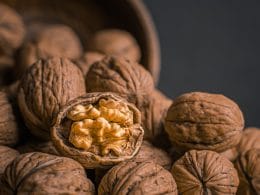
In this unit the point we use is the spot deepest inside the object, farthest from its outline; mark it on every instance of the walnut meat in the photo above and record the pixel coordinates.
(248, 166)
(52, 41)
(98, 130)
(204, 121)
(205, 172)
(45, 88)
(12, 30)
(6, 157)
(39, 173)
(117, 43)
(145, 178)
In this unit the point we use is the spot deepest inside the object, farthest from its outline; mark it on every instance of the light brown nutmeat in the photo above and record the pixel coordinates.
(204, 121)
(205, 172)
(6, 157)
(135, 178)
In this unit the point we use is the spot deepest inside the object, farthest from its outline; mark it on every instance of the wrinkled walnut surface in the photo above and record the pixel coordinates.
(137, 178)
(205, 172)
(117, 43)
(117, 137)
(45, 88)
(39, 173)
(204, 121)
(6, 157)
(248, 166)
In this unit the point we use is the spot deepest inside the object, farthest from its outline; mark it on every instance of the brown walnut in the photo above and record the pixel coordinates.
(248, 166)
(115, 42)
(39, 173)
(205, 172)
(204, 121)
(98, 130)
(46, 87)
(12, 30)
(6, 157)
(134, 178)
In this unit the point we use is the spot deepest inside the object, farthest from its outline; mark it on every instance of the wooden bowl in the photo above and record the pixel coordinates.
(88, 16)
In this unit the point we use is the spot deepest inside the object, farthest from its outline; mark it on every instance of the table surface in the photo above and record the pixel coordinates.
(211, 46)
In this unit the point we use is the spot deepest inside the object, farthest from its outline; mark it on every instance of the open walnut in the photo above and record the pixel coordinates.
(204, 121)
(98, 130)
(45, 88)
(39, 173)
(146, 178)
(12, 30)
(6, 157)
(205, 172)
(248, 166)
(115, 42)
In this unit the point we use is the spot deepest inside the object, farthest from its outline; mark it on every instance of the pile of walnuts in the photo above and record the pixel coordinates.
(93, 122)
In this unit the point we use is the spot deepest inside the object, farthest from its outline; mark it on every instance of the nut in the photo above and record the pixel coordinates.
(39, 173)
(204, 121)
(137, 178)
(6, 157)
(248, 166)
(205, 172)
(45, 88)
(115, 42)
(98, 130)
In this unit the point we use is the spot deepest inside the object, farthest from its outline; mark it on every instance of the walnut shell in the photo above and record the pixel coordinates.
(51, 41)
(45, 88)
(12, 30)
(9, 130)
(145, 178)
(248, 166)
(39, 173)
(6, 157)
(205, 172)
(117, 43)
(91, 158)
(204, 121)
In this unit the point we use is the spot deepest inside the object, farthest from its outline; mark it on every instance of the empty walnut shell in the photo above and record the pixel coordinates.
(39, 173)
(97, 144)
(205, 172)
(45, 88)
(9, 130)
(204, 121)
(145, 178)
(248, 166)
(12, 30)
(117, 43)
(6, 157)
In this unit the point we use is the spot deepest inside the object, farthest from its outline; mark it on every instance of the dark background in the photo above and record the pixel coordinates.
(212, 46)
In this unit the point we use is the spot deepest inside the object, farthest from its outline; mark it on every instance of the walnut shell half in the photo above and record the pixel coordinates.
(98, 130)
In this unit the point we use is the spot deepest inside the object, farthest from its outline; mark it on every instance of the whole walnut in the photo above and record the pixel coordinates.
(39, 173)
(115, 42)
(6, 157)
(204, 121)
(146, 178)
(205, 172)
(248, 166)
(9, 128)
(46, 87)
(52, 41)
(98, 130)
(12, 30)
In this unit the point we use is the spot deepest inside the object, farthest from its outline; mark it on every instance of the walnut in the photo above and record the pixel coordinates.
(137, 178)
(39, 173)
(248, 166)
(52, 41)
(98, 130)
(9, 128)
(204, 121)
(45, 88)
(12, 30)
(6, 157)
(115, 42)
(205, 172)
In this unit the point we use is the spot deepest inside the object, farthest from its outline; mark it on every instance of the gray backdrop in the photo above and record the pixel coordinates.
(213, 46)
